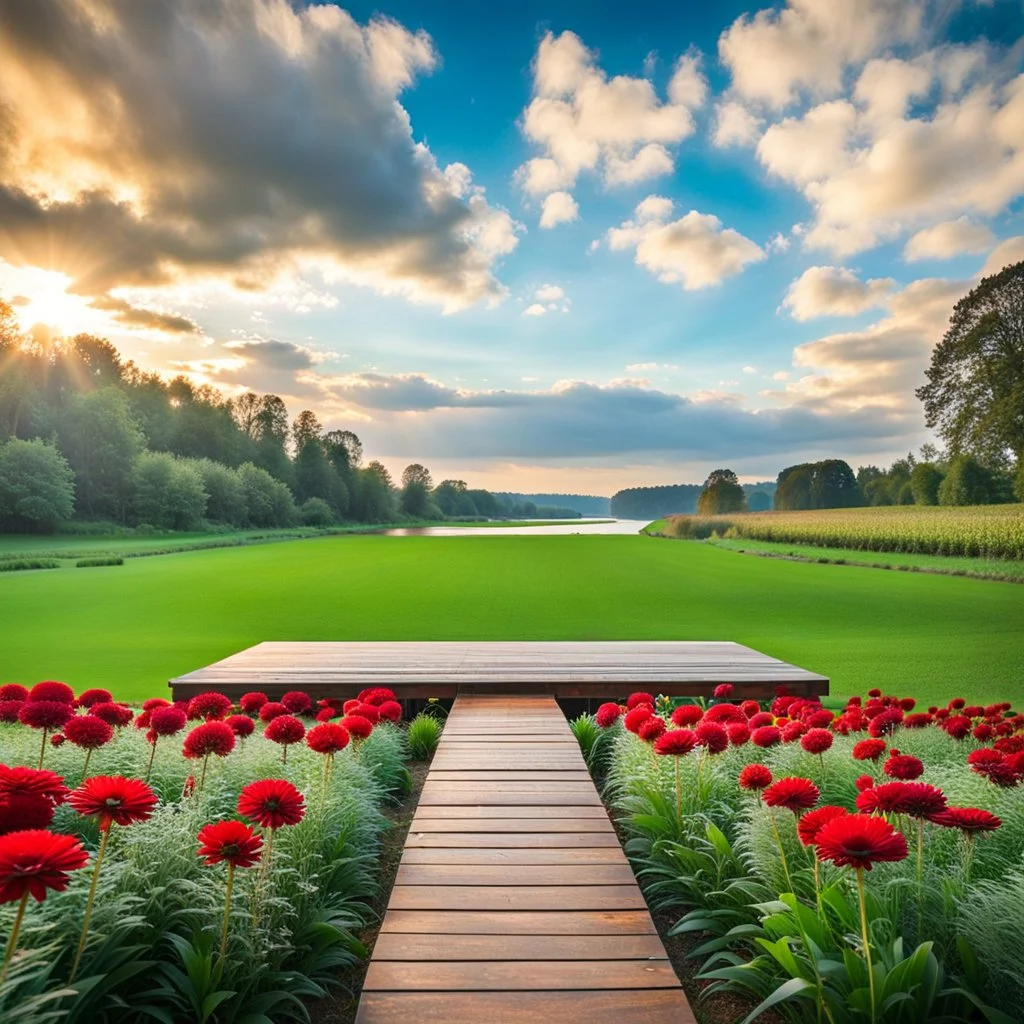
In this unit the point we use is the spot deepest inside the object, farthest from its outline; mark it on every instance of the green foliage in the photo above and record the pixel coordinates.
(595, 743)
(722, 494)
(316, 512)
(25, 564)
(37, 487)
(924, 483)
(168, 492)
(268, 502)
(815, 485)
(225, 493)
(655, 502)
(967, 482)
(422, 736)
(94, 563)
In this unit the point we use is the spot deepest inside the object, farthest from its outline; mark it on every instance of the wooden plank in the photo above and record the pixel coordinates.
(464, 796)
(517, 897)
(508, 775)
(512, 840)
(475, 855)
(621, 1006)
(484, 922)
(403, 946)
(517, 975)
(513, 811)
(514, 874)
(511, 825)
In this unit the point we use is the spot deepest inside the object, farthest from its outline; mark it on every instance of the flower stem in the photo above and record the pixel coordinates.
(149, 767)
(968, 857)
(284, 753)
(42, 748)
(328, 765)
(104, 836)
(85, 767)
(865, 939)
(227, 918)
(920, 873)
(12, 942)
(679, 792)
(202, 776)
(782, 849)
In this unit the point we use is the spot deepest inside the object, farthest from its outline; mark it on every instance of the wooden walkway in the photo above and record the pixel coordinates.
(514, 903)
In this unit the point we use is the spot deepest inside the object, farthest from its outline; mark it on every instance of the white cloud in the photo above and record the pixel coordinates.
(694, 251)
(536, 309)
(550, 293)
(948, 239)
(558, 208)
(735, 125)
(835, 291)
(584, 120)
(750, 369)
(778, 243)
(1011, 250)
(781, 375)
(648, 367)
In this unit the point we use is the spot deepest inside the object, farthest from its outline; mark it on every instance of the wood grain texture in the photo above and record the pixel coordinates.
(548, 922)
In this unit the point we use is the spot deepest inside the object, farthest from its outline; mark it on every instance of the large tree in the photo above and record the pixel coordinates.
(974, 396)
(722, 493)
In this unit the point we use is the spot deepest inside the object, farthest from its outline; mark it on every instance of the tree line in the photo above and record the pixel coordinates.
(85, 435)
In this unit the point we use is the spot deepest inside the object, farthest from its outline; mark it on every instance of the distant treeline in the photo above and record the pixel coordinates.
(655, 502)
(588, 505)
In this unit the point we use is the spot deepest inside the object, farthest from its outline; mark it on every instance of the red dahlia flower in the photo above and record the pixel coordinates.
(57, 739)
(903, 766)
(875, 693)
(285, 729)
(755, 777)
(18, 813)
(350, 705)
(886, 722)
(167, 721)
(750, 708)
(297, 702)
(44, 714)
(638, 698)
(983, 732)
(377, 695)
(94, 696)
(251, 702)
(1010, 745)
(113, 798)
(607, 715)
(859, 841)
(326, 714)
(813, 822)
(112, 713)
(152, 703)
(868, 750)
(50, 690)
(958, 726)
(916, 799)
(686, 715)
(984, 755)
(272, 803)
(13, 691)
(32, 782)
(368, 711)
(816, 741)
(738, 733)
(919, 720)
(358, 727)
(327, 738)
(229, 842)
(820, 719)
(651, 729)
(725, 713)
(87, 731)
(675, 742)
(209, 706)
(792, 731)
(390, 711)
(760, 719)
(712, 737)
(723, 690)
(240, 725)
(999, 774)
(9, 710)
(968, 819)
(635, 717)
(34, 860)
(271, 710)
(765, 736)
(209, 738)
(793, 793)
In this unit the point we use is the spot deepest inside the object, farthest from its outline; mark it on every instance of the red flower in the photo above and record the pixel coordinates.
(816, 741)
(638, 698)
(297, 702)
(390, 711)
(88, 732)
(793, 793)
(152, 703)
(686, 715)
(874, 693)
(44, 714)
(112, 713)
(859, 841)
(271, 710)
(326, 715)
(650, 730)
(792, 731)
(57, 739)
(34, 782)
(368, 711)
(350, 705)
(21, 812)
(958, 726)
(738, 733)
(723, 690)
(917, 799)
(868, 750)
(13, 691)
(167, 721)
(712, 737)
(240, 725)
(377, 695)
(903, 766)
(94, 696)
(755, 777)
(750, 708)
(251, 702)
(968, 819)
(209, 706)
(820, 719)
(917, 721)
(765, 736)
(272, 803)
(760, 719)
(60, 692)
(675, 743)
(1010, 745)
(635, 717)
(34, 860)
(189, 788)
(983, 756)
(885, 722)
(358, 727)
(327, 738)
(1000, 774)
(607, 715)
(113, 798)
(209, 738)
(814, 821)
(231, 842)
(9, 710)
(285, 730)
(863, 782)
(725, 713)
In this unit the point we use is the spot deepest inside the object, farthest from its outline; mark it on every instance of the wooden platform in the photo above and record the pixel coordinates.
(601, 669)
(514, 903)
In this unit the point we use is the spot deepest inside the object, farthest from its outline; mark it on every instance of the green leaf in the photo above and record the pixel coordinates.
(786, 991)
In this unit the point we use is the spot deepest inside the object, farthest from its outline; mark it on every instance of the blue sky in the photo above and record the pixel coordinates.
(572, 246)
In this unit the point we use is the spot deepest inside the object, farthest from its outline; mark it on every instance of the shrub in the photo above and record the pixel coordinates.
(169, 492)
(268, 502)
(423, 736)
(316, 512)
(24, 564)
(95, 563)
(968, 482)
(225, 493)
(37, 487)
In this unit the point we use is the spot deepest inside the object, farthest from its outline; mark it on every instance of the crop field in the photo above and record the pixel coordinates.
(993, 531)
(132, 627)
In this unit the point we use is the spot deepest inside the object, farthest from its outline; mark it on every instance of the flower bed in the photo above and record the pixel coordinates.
(859, 866)
(186, 862)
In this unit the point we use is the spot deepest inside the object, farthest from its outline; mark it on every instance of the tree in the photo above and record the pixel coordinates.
(169, 492)
(268, 501)
(37, 486)
(416, 487)
(794, 491)
(316, 512)
(759, 501)
(968, 482)
(447, 494)
(306, 428)
(833, 485)
(924, 483)
(974, 396)
(722, 494)
(344, 450)
(417, 474)
(374, 494)
(225, 495)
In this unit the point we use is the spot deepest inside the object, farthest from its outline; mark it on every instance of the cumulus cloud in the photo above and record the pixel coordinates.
(288, 149)
(1011, 250)
(558, 208)
(835, 291)
(735, 125)
(140, 317)
(550, 293)
(948, 239)
(584, 120)
(535, 309)
(694, 251)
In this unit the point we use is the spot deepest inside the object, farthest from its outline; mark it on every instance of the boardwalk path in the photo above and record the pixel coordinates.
(514, 903)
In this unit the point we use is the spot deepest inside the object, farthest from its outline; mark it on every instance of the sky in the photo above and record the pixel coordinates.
(572, 245)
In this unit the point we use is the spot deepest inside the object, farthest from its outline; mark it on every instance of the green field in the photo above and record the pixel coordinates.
(132, 627)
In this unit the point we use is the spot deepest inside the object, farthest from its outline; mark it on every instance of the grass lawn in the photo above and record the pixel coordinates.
(132, 627)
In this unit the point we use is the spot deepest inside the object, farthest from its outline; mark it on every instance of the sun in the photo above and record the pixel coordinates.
(41, 297)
